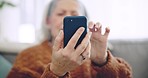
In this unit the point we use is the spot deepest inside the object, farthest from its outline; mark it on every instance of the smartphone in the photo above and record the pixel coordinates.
(71, 25)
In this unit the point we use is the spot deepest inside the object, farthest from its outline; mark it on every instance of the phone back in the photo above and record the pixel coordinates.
(71, 24)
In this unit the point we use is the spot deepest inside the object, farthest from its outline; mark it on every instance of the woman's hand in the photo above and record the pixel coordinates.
(68, 58)
(98, 43)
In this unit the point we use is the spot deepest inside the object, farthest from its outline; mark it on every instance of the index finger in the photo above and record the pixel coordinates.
(75, 38)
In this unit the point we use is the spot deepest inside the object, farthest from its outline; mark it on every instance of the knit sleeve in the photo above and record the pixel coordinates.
(49, 74)
(31, 68)
(18, 72)
(114, 68)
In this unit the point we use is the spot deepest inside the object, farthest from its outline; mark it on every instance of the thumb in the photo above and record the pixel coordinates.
(58, 41)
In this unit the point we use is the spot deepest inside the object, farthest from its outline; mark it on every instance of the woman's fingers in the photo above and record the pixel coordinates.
(107, 30)
(99, 27)
(95, 28)
(58, 41)
(81, 48)
(90, 25)
(86, 53)
(73, 41)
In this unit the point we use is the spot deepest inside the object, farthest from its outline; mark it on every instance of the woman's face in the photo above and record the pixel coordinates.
(62, 8)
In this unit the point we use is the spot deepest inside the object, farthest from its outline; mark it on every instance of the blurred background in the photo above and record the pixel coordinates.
(21, 21)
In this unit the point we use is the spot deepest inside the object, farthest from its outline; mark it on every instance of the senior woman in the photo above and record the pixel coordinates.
(90, 59)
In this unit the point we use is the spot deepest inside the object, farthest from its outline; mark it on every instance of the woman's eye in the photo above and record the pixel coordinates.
(60, 14)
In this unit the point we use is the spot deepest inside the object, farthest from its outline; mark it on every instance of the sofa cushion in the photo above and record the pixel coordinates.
(135, 52)
(5, 67)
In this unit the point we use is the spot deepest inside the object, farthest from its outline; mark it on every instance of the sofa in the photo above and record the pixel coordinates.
(5, 67)
(133, 51)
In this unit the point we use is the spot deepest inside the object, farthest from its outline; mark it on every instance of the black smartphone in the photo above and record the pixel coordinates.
(71, 25)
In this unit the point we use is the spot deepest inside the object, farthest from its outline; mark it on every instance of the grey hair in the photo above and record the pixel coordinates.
(48, 11)
(53, 4)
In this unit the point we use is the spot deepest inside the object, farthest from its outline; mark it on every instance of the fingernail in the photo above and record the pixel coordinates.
(81, 28)
(97, 25)
(91, 27)
(108, 27)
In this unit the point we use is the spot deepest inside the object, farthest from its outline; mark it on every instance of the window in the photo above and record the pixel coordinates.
(126, 18)
(21, 23)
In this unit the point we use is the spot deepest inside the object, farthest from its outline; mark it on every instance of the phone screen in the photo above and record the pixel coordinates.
(71, 24)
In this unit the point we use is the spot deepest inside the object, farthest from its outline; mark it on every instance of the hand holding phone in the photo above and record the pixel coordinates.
(71, 25)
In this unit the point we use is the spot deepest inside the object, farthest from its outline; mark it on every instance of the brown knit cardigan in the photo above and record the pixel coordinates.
(35, 63)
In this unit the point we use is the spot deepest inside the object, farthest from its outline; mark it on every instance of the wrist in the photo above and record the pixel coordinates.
(101, 60)
(56, 70)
